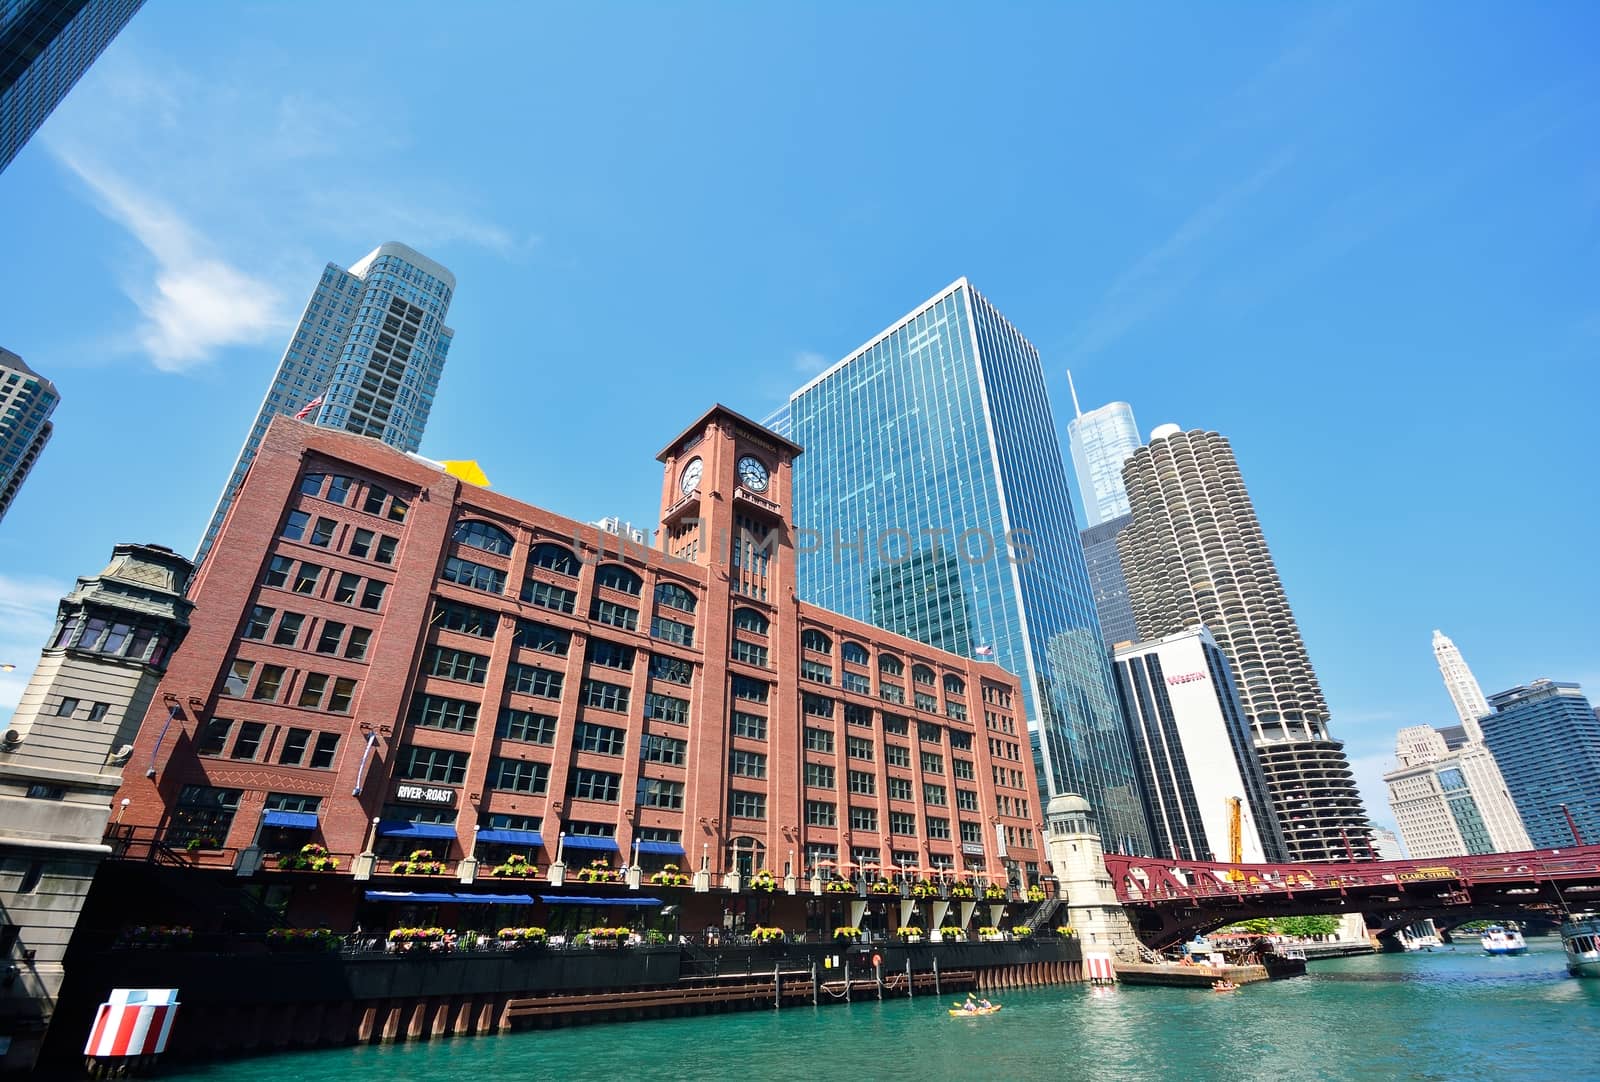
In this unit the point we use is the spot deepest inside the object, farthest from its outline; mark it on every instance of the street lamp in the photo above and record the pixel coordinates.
(122, 810)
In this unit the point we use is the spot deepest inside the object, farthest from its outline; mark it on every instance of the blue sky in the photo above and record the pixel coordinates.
(1362, 241)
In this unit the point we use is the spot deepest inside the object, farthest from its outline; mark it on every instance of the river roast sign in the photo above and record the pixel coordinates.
(425, 794)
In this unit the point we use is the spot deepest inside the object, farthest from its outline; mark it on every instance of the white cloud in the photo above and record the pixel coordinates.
(27, 612)
(198, 303)
(809, 363)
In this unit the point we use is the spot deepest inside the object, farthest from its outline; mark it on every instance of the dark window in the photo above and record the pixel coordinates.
(938, 829)
(864, 819)
(610, 655)
(664, 749)
(594, 785)
(754, 690)
(921, 674)
(899, 788)
(534, 681)
(673, 596)
(672, 631)
(896, 754)
(475, 576)
(311, 484)
(339, 489)
(289, 626)
(294, 747)
(384, 553)
(372, 597)
(902, 823)
(357, 648)
(271, 681)
(750, 653)
(311, 690)
(259, 620)
(431, 764)
(213, 736)
(306, 578)
(554, 558)
(327, 745)
(97, 711)
(609, 612)
(934, 795)
(819, 740)
(322, 532)
(47, 792)
(526, 726)
(66, 708)
(891, 665)
(749, 726)
(456, 664)
(294, 527)
(932, 764)
(397, 510)
(616, 577)
(819, 776)
(592, 830)
(601, 739)
(821, 813)
(747, 764)
(858, 747)
(330, 635)
(853, 653)
(816, 641)
(658, 707)
(972, 832)
(863, 783)
(966, 800)
(658, 793)
(466, 619)
(750, 620)
(347, 589)
(954, 686)
(962, 769)
(517, 776)
(248, 743)
(361, 543)
(483, 535)
(674, 670)
(816, 706)
(547, 596)
(857, 715)
(202, 813)
(742, 805)
(816, 671)
(604, 696)
(344, 690)
(542, 638)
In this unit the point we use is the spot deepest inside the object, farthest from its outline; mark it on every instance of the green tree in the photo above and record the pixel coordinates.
(1309, 926)
(1257, 925)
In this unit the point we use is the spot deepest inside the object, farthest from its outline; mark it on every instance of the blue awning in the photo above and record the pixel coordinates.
(583, 841)
(573, 899)
(293, 820)
(405, 828)
(530, 838)
(460, 899)
(664, 849)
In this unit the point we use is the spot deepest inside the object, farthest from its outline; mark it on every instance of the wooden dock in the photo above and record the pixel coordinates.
(1182, 976)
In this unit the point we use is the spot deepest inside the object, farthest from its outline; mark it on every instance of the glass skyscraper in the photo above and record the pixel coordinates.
(366, 357)
(937, 504)
(1104, 561)
(1546, 738)
(1101, 441)
(26, 401)
(45, 47)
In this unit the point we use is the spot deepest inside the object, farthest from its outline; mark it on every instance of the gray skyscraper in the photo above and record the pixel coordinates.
(1546, 738)
(26, 401)
(1195, 555)
(45, 47)
(365, 358)
(1104, 562)
(1101, 440)
(935, 485)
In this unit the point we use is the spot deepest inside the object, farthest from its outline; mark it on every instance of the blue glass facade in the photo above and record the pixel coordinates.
(1103, 560)
(933, 502)
(45, 47)
(1546, 738)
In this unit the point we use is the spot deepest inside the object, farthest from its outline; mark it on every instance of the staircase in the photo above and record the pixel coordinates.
(1040, 917)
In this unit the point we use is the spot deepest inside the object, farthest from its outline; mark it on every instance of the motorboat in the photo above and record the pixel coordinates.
(1580, 938)
(1503, 939)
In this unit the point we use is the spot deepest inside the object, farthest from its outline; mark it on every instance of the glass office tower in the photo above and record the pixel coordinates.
(366, 358)
(938, 507)
(1101, 441)
(45, 47)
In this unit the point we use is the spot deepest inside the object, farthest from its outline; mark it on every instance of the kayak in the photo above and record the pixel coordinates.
(969, 1014)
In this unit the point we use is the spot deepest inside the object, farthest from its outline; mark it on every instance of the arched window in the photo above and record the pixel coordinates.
(812, 639)
(483, 535)
(921, 674)
(553, 557)
(750, 620)
(674, 596)
(617, 577)
(854, 653)
(953, 685)
(747, 855)
(890, 665)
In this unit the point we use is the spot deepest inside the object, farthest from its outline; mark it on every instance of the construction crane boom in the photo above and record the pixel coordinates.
(1235, 831)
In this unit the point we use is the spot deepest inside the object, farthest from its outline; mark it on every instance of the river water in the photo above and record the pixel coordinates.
(1451, 1014)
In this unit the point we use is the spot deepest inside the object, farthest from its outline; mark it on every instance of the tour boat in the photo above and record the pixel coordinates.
(1507, 939)
(1581, 939)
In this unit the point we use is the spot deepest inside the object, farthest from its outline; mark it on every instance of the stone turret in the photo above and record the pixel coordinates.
(1080, 868)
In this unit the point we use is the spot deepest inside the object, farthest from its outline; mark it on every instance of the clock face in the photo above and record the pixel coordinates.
(753, 473)
(691, 476)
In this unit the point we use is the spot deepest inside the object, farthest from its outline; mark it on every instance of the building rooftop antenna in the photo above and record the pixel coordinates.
(1076, 409)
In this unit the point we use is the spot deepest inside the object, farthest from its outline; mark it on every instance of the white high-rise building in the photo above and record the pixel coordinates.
(26, 401)
(1450, 803)
(1462, 685)
(1101, 441)
(366, 358)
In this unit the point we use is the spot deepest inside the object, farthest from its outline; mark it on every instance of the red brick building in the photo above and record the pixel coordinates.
(380, 652)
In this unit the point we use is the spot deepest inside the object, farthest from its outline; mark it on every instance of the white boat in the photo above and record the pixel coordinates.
(1580, 937)
(1503, 939)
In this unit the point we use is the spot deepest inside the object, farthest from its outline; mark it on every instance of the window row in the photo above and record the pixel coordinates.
(323, 532)
(302, 577)
(253, 741)
(339, 489)
(268, 683)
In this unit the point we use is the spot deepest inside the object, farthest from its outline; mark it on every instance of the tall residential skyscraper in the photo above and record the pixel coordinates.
(1463, 687)
(1546, 738)
(1101, 440)
(1106, 581)
(1451, 801)
(1193, 747)
(934, 487)
(26, 401)
(45, 47)
(1195, 555)
(366, 357)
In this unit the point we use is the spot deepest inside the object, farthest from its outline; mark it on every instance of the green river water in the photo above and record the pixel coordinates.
(1451, 1014)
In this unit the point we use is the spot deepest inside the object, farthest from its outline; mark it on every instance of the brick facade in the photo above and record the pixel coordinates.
(948, 775)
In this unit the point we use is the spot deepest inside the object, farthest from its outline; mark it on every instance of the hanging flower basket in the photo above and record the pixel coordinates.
(530, 936)
(599, 871)
(1021, 931)
(990, 934)
(840, 886)
(962, 892)
(764, 881)
(1036, 894)
(924, 889)
(410, 936)
(994, 893)
(846, 934)
(767, 935)
(910, 933)
(302, 939)
(516, 866)
(420, 862)
(951, 931)
(883, 886)
(1066, 931)
(669, 876)
(311, 858)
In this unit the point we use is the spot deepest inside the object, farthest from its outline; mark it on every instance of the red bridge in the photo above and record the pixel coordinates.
(1170, 901)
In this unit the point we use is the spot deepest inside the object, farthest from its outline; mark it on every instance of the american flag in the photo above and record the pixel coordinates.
(984, 651)
(307, 409)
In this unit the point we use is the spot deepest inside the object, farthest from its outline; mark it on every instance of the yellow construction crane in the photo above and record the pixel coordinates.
(1235, 832)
